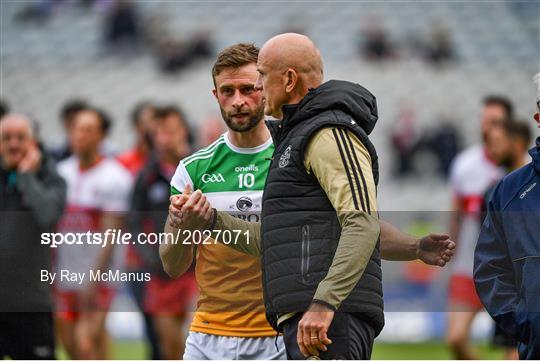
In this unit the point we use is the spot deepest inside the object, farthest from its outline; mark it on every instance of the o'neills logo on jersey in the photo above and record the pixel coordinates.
(212, 178)
(249, 168)
(284, 159)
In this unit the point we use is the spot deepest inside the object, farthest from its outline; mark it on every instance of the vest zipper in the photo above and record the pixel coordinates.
(305, 253)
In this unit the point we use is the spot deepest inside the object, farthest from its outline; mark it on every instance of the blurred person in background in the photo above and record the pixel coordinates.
(122, 31)
(471, 174)
(211, 129)
(32, 196)
(508, 145)
(445, 142)
(98, 195)
(404, 137)
(375, 44)
(142, 120)
(166, 300)
(506, 260)
(67, 113)
(439, 49)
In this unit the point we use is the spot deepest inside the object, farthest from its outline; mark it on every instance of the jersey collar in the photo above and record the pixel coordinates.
(253, 150)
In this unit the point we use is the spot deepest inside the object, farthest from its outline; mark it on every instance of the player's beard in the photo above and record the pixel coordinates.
(254, 119)
(507, 162)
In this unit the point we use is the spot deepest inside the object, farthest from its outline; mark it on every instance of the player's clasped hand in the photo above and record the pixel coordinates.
(190, 210)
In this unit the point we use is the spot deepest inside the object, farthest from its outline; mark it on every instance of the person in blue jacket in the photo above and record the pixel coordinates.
(507, 256)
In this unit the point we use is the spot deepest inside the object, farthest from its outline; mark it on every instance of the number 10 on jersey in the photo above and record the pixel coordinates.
(246, 180)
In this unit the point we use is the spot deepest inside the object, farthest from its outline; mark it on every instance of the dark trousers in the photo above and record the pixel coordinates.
(27, 335)
(352, 338)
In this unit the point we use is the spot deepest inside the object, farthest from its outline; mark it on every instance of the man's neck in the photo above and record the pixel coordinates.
(141, 147)
(250, 139)
(169, 159)
(519, 161)
(88, 160)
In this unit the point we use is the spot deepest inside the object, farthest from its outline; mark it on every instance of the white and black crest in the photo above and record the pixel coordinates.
(284, 159)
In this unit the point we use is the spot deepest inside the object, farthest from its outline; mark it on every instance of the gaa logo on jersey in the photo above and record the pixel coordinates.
(284, 159)
(212, 178)
(244, 203)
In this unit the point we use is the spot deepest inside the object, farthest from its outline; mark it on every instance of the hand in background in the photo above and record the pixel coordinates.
(31, 160)
(436, 249)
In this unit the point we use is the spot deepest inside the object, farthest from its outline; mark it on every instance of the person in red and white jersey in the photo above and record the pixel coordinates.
(98, 195)
(472, 173)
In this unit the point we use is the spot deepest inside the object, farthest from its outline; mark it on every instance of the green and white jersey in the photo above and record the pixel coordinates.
(232, 178)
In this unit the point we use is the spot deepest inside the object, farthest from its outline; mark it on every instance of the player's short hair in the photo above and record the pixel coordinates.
(71, 108)
(235, 56)
(502, 101)
(105, 121)
(518, 129)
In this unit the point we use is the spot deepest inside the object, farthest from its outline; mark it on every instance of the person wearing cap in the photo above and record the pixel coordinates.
(507, 255)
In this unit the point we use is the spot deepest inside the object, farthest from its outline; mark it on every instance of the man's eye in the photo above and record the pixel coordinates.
(248, 90)
(226, 91)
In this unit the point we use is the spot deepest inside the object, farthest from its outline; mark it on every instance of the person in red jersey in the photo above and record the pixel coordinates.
(143, 123)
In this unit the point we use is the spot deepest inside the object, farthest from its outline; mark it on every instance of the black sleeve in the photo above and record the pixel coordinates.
(44, 192)
(136, 216)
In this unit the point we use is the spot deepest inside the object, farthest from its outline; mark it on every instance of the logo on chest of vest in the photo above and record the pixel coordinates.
(530, 188)
(285, 157)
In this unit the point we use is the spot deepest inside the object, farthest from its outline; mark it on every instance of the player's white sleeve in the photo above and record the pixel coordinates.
(115, 195)
(455, 175)
(181, 179)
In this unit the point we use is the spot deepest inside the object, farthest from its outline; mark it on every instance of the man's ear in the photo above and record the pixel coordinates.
(214, 91)
(291, 80)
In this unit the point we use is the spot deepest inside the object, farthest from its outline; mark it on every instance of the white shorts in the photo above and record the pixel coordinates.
(202, 346)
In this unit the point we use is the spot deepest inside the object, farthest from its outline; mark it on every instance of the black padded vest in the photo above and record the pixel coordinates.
(299, 227)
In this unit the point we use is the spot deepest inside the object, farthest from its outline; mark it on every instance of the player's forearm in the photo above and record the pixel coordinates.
(397, 245)
(176, 258)
(108, 221)
(249, 233)
(455, 220)
(351, 258)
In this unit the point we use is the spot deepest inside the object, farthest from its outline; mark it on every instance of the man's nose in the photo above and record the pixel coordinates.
(238, 100)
